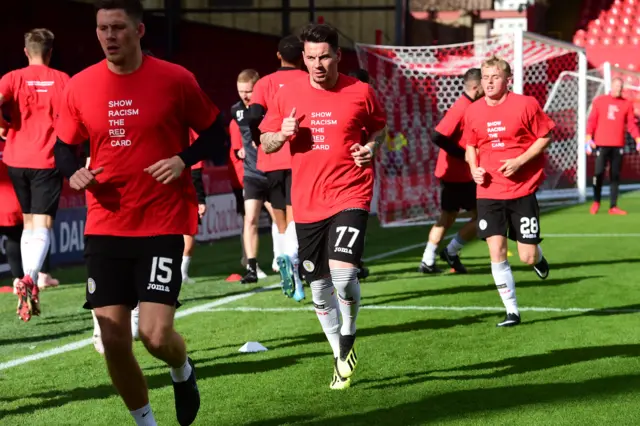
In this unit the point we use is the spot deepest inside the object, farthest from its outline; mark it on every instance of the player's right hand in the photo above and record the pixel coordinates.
(241, 153)
(290, 125)
(479, 175)
(84, 178)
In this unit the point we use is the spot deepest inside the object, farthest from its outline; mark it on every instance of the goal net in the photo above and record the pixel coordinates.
(417, 85)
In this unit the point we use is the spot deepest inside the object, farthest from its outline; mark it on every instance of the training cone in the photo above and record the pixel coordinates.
(252, 347)
(233, 278)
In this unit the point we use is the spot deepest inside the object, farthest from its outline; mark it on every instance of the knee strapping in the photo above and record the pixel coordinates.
(325, 304)
(343, 280)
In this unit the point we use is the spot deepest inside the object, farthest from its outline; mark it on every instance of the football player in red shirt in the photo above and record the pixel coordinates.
(322, 116)
(236, 173)
(189, 240)
(277, 166)
(458, 187)
(33, 94)
(506, 135)
(137, 111)
(610, 114)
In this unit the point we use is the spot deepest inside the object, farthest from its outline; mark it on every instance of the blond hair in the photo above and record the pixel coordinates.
(39, 41)
(499, 63)
(248, 76)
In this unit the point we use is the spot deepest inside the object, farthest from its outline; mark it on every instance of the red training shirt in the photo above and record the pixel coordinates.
(607, 121)
(263, 93)
(236, 167)
(325, 178)
(10, 210)
(34, 93)
(193, 135)
(133, 121)
(448, 168)
(504, 132)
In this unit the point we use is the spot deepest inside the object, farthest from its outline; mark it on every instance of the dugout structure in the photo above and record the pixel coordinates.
(417, 85)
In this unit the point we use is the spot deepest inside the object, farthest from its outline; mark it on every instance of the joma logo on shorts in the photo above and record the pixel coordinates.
(529, 235)
(158, 287)
(343, 250)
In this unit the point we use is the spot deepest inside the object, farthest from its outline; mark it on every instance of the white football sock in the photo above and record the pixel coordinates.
(37, 249)
(429, 255)
(186, 261)
(455, 245)
(506, 285)
(326, 306)
(291, 243)
(135, 316)
(275, 237)
(96, 325)
(345, 280)
(24, 244)
(144, 416)
(181, 374)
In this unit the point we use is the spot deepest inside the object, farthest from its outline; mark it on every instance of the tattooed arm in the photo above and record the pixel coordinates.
(272, 141)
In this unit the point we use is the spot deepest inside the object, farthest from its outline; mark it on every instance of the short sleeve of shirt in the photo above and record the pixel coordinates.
(376, 119)
(272, 121)
(452, 120)
(68, 124)
(6, 86)
(259, 95)
(236, 135)
(539, 123)
(469, 134)
(200, 111)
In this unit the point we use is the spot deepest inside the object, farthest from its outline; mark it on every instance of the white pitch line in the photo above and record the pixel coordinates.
(181, 313)
(431, 308)
(86, 342)
(589, 235)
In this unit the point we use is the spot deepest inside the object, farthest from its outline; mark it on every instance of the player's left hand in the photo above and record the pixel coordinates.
(361, 155)
(510, 166)
(167, 170)
(202, 209)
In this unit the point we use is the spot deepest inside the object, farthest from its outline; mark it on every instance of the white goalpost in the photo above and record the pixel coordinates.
(416, 86)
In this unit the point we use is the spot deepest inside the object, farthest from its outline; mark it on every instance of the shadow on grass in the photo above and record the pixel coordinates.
(381, 299)
(510, 366)
(462, 404)
(44, 337)
(59, 397)
(621, 310)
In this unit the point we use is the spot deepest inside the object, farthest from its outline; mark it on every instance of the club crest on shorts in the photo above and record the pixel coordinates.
(482, 224)
(91, 286)
(308, 266)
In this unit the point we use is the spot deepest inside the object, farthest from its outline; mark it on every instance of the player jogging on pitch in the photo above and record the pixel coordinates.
(33, 94)
(605, 135)
(322, 117)
(277, 165)
(458, 187)
(506, 135)
(137, 111)
(257, 189)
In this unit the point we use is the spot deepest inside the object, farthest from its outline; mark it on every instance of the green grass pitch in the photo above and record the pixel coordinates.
(428, 347)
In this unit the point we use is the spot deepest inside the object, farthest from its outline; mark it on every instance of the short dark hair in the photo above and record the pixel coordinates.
(133, 8)
(290, 49)
(39, 41)
(472, 74)
(361, 75)
(321, 33)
